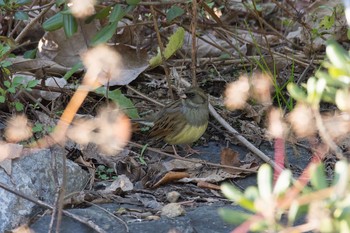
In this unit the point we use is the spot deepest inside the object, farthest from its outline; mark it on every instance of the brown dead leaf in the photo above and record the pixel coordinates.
(55, 46)
(23, 229)
(121, 184)
(10, 150)
(134, 61)
(230, 158)
(170, 177)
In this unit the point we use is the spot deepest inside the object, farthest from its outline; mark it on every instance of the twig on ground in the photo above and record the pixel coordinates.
(193, 160)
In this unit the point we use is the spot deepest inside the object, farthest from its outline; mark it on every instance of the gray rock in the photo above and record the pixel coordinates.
(33, 175)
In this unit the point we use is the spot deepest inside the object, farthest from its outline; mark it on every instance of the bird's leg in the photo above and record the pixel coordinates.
(175, 152)
(190, 151)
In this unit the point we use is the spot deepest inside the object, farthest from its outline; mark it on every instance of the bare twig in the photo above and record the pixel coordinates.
(193, 160)
(194, 42)
(33, 21)
(110, 214)
(161, 48)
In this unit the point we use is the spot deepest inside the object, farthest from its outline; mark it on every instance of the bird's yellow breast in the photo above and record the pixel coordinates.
(187, 135)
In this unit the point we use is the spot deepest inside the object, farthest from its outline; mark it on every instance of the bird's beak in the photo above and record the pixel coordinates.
(183, 96)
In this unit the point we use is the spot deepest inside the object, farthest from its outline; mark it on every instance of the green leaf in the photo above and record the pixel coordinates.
(337, 55)
(2, 99)
(20, 15)
(237, 196)
(74, 69)
(233, 216)
(11, 90)
(175, 43)
(231, 192)
(265, 181)
(283, 182)
(133, 2)
(19, 106)
(70, 25)
(173, 13)
(2, 3)
(331, 77)
(22, 2)
(123, 102)
(327, 22)
(341, 179)
(318, 177)
(17, 80)
(7, 84)
(117, 13)
(60, 2)
(32, 83)
(53, 23)
(30, 54)
(5, 64)
(37, 128)
(103, 13)
(104, 34)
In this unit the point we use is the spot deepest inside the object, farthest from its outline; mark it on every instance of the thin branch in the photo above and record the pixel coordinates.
(33, 21)
(161, 48)
(194, 42)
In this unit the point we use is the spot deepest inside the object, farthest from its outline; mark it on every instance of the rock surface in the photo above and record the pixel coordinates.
(34, 175)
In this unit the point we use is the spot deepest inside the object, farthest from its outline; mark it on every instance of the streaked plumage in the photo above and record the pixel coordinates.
(183, 121)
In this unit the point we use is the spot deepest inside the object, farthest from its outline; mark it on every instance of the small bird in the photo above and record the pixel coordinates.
(183, 121)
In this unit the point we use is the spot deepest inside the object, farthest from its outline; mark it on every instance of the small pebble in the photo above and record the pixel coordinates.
(172, 210)
(172, 196)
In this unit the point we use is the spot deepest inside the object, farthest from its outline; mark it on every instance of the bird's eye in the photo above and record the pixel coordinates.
(190, 94)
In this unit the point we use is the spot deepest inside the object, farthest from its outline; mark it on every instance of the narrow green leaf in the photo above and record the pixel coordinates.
(70, 25)
(318, 177)
(330, 78)
(231, 192)
(337, 55)
(22, 2)
(53, 23)
(133, 2)
(20, 15)
(175, 43)
(233, 216)
(283, 182)
(30, 54)
(103, 13)
(265, 181)
(341, 179)
(118, 12)
(75, 68)
(173, 13)
(104, 34)
(121, 100)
